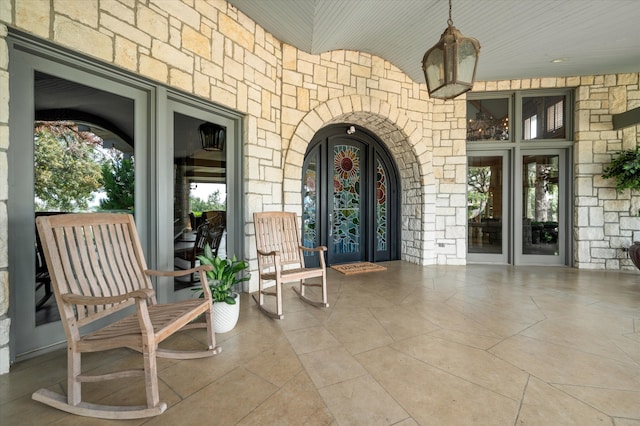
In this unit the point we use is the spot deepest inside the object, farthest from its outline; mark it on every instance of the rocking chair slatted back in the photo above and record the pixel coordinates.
(98, 261)
(278, 231)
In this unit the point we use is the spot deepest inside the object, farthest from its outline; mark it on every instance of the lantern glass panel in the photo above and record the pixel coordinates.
(434, 68)
(466, 61)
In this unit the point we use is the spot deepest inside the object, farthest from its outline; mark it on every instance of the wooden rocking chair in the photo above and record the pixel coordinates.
(97, 268)
(281, 259)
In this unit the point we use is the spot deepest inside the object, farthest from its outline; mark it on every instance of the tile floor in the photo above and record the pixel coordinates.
(481, 344)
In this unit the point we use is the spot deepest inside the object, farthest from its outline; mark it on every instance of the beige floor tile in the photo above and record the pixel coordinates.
(298, 320)
(626, 422)
(296, 403)
(630, 345)
(466, 338)
(474, 365)
(613, 402)
(357, 329)
(225, 401)
(505, 318)
(558, 364)
(545, 405)
(403, 321)
(433, 397)
(362, 401)
(577, 336)
(311, 339)
(277, 364)
(331, 366)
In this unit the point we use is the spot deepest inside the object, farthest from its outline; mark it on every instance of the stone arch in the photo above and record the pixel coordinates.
(405, 141)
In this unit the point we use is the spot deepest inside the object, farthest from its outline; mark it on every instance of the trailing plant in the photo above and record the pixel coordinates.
(225, 275)
(625, 169)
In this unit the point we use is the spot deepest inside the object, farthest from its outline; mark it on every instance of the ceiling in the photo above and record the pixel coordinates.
(518, 38)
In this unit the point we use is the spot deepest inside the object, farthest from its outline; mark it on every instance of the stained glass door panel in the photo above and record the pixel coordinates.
(346, 240)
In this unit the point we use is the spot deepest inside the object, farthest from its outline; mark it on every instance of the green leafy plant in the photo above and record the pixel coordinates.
(225, 275)
(625, 169)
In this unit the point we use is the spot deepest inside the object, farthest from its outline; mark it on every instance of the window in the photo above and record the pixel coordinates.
(543, 117)
(488, 119)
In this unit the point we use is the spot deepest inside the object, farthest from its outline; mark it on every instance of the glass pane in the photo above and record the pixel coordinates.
(345, 228)
(381, 207)
(540, 204)
(82, 163)
(488, 120)
(484, 204)
(467, 54)
(543, 117)
(200, 191)
(310, 201)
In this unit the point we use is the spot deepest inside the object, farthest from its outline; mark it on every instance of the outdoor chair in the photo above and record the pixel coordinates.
(98, 272)
(190, 253)
(281, 259)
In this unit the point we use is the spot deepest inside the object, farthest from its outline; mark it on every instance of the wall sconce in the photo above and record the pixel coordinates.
(212, 136)
(351, 130)
(450, 66)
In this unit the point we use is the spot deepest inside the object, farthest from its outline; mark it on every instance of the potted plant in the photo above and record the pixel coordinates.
(625, 169)
(222, 280)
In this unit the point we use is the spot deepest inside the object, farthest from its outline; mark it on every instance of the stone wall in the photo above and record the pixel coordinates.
(606, 222)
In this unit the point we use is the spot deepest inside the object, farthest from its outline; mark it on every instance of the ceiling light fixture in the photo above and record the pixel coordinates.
(450, 66)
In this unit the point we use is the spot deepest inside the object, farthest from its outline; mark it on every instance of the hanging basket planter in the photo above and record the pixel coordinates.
(625, 169)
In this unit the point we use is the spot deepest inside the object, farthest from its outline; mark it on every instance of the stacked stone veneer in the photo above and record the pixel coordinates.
(211, 50)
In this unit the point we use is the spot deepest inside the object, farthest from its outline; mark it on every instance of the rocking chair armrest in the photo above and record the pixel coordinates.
(179, 272)
(319, 248)
(77, 299)
(268, 253)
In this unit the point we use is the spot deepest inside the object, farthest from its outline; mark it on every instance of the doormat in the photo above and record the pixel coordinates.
(358, 268)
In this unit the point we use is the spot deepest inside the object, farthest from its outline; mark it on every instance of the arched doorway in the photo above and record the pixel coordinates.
(350, 197)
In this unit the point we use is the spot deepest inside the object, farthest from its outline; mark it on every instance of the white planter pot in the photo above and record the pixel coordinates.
(225, 316)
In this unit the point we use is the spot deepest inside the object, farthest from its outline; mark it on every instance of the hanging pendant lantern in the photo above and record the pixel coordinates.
(450, 66)
(212, 136)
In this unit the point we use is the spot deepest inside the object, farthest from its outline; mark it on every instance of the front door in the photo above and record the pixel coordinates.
(350, 197)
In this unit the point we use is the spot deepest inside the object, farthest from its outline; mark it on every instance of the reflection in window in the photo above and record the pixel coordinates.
(199, 193)
(540, 208)
(555, 116)
(309, 213)
(543, 117)
(488, 119)
(531, 127)
(484, 204)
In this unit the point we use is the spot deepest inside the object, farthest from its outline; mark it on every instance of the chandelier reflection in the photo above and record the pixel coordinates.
(487, 127)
